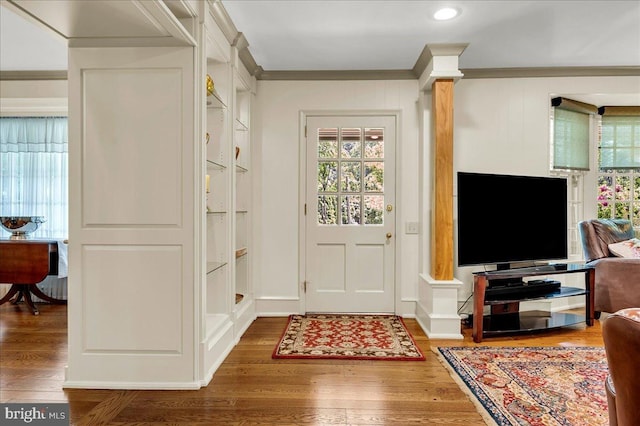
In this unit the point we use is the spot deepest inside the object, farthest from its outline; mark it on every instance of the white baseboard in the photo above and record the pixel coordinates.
(132, 385)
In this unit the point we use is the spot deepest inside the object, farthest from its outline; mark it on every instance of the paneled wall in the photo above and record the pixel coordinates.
(276, 172)
(132, 260)
(500, 125)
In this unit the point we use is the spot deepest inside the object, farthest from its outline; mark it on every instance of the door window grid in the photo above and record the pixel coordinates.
(350, 184)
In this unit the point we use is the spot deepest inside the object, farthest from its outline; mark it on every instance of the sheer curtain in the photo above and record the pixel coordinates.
(34, 172)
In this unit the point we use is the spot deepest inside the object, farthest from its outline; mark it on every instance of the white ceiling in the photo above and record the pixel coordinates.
(28, 46)
(390, 34)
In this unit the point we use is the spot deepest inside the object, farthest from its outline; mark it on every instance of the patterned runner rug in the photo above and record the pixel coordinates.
(375, 337)
(533, 386)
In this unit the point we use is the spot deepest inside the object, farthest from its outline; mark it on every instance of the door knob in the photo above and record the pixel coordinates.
(388, 235)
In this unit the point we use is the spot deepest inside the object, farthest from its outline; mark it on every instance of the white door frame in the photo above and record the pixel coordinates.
(302, 180)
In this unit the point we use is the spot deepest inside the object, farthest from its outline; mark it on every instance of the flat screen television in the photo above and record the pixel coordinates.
(505, 219)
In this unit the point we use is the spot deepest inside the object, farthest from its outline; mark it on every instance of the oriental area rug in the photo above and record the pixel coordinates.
(532, 386)
(364, 337)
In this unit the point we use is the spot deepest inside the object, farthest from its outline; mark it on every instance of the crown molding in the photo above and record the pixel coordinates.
(33, 75)
(222, 18)
(469, 73)
(551, 72)
(422, 62)
(338, 75)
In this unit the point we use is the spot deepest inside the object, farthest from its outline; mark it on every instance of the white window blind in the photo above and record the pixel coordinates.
(620, 142)
(570, 140)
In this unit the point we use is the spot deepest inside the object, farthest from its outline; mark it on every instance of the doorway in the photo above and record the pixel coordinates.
(349, 223)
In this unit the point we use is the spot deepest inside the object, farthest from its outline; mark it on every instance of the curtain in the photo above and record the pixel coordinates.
(34, 172)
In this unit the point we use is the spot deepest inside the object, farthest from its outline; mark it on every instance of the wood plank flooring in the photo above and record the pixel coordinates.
(250, 388)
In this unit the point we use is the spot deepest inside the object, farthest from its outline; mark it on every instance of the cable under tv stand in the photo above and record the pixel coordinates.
(508, 289)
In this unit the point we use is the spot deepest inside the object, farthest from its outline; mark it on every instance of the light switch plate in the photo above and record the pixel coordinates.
(411, 228)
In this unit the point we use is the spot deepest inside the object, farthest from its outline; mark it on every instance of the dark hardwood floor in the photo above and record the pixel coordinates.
(250, 388)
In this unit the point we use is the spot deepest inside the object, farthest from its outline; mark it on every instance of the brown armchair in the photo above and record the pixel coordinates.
(621, 334)
(617, 284)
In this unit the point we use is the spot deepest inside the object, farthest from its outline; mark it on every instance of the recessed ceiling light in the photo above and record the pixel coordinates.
(445, 13)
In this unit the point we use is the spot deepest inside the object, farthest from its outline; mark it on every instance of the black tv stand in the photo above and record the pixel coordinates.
(505, 314)
(511, 281)
(520, 289)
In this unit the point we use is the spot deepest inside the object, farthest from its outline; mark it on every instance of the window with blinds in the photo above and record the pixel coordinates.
(618, 192)
(619, 142)
(570, 134)
(570, 140)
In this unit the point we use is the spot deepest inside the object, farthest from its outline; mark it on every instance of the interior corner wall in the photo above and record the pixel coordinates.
(502, 126)
(276, 171)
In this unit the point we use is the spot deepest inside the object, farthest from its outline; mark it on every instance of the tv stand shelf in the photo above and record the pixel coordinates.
(506, 318)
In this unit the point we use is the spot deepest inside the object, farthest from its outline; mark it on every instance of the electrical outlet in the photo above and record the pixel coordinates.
(411, 228)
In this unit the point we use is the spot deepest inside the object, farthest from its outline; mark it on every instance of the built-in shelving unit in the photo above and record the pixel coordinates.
(187, 209)
(242, 156)
(227, 299)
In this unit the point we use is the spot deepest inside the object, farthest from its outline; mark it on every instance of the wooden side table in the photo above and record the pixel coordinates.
(25, 263)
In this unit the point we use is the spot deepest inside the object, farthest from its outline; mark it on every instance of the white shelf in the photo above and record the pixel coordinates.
(215, 101)
(214, 266)
(215, 165)
(225, 127)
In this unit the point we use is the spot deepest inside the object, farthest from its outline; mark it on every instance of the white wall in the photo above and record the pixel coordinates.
(33, 88)
(502, 126)
(276, 154)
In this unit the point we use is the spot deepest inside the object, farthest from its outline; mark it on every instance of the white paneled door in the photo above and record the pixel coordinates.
(350, 219)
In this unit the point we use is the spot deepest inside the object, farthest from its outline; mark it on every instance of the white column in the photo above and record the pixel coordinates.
(436, 310)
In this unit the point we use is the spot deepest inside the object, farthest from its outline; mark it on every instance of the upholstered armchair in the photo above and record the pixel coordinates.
(621, 334)
(617, 281)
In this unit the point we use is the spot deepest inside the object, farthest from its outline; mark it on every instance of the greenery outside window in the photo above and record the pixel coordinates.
(618, 192)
